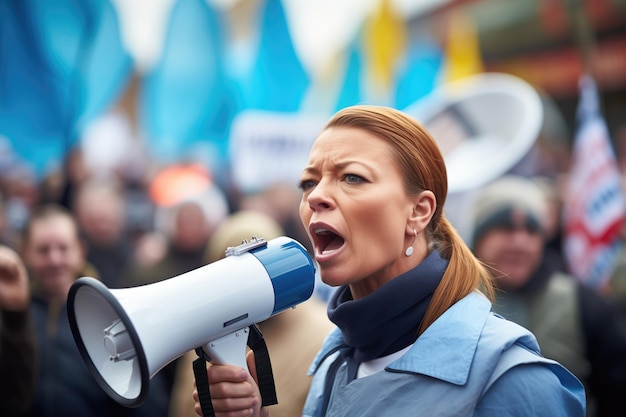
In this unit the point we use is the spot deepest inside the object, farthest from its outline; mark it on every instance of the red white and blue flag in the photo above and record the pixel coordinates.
(594, 205)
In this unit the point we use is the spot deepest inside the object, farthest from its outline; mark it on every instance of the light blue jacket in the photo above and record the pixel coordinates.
(470, 362)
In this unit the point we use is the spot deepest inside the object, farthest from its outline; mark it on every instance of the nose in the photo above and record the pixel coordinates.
(55, 257)
(320, 197)
(521, 235)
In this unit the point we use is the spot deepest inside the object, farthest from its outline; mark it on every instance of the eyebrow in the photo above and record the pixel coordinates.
(340, 165)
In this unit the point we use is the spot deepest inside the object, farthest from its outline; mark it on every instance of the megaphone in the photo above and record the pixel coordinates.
(486, 126)
(125, 336)
(484, 123)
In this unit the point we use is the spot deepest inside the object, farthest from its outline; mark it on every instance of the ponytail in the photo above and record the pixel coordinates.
(465, 273)
(422, 163)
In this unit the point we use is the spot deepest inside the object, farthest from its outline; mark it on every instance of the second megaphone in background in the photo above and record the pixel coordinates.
(486, 125)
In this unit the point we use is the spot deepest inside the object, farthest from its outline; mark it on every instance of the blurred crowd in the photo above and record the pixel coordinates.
(126, 222)
(133, 221)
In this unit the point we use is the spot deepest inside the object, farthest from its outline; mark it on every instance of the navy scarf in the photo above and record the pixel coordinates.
(388, 319)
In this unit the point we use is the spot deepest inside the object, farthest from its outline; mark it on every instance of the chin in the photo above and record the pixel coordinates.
(517, 280)
(331, 282)
(332, 278)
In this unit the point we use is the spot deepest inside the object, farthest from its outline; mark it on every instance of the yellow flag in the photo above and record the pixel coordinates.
(385, 38)
(462, 48)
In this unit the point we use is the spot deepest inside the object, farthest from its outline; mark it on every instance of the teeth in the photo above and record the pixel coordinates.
(321, 231)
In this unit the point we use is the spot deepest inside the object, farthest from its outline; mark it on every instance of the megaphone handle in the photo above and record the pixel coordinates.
(217, 352)
(229, 349)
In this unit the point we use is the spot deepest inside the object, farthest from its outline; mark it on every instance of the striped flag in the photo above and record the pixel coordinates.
(595, 205)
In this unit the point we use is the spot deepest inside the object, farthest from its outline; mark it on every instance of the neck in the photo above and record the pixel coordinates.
(368, 285)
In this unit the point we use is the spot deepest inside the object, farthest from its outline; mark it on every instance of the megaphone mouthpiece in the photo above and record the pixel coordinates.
(118, 343)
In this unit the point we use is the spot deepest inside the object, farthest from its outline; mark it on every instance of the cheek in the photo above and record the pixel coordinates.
(488, 248)
(38, 264)
(305, 217)
(73, 260)
(305, 213)
(391, 213)
(536, 246)
(381, 225)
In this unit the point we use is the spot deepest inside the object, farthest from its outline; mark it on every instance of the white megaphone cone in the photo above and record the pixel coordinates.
(486, 125)
(127, 335)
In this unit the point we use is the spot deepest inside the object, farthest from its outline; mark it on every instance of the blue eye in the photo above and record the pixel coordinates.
(306, 185)
(353, 178)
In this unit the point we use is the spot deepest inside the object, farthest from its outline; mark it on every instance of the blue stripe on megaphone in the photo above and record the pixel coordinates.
(291, 270)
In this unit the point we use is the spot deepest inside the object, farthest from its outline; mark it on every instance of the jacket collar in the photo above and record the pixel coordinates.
(444, 351)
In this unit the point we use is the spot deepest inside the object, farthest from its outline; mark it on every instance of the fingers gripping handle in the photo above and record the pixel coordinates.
(231, 349)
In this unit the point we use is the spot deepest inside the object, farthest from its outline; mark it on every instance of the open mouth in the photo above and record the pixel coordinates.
(327, 241)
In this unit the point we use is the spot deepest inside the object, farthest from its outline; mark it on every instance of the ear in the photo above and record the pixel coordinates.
(423, 209)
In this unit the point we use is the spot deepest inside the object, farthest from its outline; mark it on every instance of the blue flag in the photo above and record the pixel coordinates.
(278, 81)
(48, 51)
(418, 75)
(104, 70)
(351, 89)
(184, 100)
(33, 112)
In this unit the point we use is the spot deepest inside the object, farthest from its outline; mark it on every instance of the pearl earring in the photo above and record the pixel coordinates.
(409, 250)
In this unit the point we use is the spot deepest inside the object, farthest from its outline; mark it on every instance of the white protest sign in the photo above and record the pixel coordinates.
(268, 148)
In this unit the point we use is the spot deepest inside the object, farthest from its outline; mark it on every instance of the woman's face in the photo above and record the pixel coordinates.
(356, 210)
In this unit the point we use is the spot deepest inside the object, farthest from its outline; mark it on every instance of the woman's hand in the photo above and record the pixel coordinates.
(234, 391)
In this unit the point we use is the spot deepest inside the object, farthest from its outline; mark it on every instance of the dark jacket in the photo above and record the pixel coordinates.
(17, 363)
(65, 387)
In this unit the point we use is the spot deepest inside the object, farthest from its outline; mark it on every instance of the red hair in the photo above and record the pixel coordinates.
(418, 155)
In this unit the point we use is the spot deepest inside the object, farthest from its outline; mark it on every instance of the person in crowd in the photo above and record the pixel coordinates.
(185, 228)
(553, 191)
(280, 201)
(178, 245)
(55, 257)
(293, 337)
(415, 331)
(3, 239)
(574, 324)
(73, 173)
(616, 287)
(99, 208)
(20, 194)
(17, 336)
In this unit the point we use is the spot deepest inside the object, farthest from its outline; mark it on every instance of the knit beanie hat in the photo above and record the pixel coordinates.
(495, 205)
